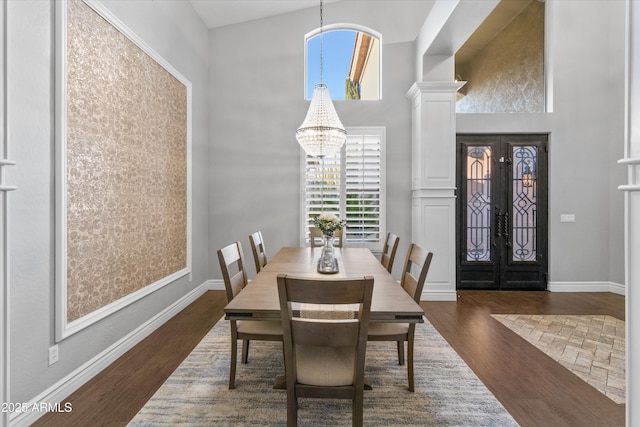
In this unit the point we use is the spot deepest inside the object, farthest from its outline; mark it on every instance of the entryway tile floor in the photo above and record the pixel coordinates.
(591, 346)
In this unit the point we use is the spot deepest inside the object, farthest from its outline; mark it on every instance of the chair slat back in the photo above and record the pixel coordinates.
(235, 279)
(331, 291)
(415, 271)
(258, 249)
(325, 332)
(410, 284)
(389, 251)
(316, 233)
(338, 236)
(338, 333)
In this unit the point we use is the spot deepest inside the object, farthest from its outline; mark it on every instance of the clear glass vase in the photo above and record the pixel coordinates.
(328, 264)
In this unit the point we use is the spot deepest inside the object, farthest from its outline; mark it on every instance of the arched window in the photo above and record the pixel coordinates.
(351, 61)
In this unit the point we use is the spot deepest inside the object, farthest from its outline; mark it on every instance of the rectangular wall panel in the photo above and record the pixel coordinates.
(123, 153)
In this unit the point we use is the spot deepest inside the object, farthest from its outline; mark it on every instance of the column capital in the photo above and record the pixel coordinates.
(419, 88)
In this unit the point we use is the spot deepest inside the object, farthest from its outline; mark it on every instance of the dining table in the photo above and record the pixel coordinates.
(259, 299)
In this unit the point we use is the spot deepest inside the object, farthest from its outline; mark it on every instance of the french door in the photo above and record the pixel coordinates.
(502, 212)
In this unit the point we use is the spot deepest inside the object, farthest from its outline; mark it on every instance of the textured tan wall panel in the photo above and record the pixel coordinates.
(126, 153)
(507, 76)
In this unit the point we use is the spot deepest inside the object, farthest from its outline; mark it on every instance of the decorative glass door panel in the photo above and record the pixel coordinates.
(524, 206)
(478, 203)
(502, 212)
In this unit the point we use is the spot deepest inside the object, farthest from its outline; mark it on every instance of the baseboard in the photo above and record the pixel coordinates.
(67, 385)
(615, 288)
(215, 285)
(438, 295)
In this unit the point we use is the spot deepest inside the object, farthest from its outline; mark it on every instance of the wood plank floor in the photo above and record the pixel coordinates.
(536, 390)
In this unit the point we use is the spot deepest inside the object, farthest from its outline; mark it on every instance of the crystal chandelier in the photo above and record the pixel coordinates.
(321, 133)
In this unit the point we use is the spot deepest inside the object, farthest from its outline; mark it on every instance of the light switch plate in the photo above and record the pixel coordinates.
(567, 218)
(53, 354)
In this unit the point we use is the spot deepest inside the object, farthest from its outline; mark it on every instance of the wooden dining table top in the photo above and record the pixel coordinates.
(259, 299)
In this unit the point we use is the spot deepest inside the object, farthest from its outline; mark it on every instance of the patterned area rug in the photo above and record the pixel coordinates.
(447, 392)
(592, 347)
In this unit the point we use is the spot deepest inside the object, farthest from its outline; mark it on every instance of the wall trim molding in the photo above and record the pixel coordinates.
(615, 288)
(64, 200)
(76, 379)
(215, 284)
(438, 296)
(612, 287)
(434, 192)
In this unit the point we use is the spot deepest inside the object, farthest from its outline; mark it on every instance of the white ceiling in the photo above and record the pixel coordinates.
(218, 13)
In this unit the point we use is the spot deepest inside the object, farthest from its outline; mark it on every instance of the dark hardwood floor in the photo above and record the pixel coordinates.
(116, 395)
(536, 390)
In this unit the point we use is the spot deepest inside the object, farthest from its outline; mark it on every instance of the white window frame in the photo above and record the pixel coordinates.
(343, 27)
(377, 131)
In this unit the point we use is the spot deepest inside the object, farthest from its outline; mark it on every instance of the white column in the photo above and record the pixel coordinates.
(433, 182)
(4, 247)
(632, 214)
(4, 282)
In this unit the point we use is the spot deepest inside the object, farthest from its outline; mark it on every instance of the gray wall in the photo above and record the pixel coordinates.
(174, 31)
(586, 139)
(256, 106)
(246, 174)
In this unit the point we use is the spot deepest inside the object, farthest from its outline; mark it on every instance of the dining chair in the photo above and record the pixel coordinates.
(414, 275)
(324, 358)
(258, 249)
(235, 279)
(389, 251)
(315, 233)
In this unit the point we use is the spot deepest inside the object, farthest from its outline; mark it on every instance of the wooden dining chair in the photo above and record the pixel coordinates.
(316, 233)
(258, 249)
(324, 358)
(414, 275)
(235, 279)
(389, 251)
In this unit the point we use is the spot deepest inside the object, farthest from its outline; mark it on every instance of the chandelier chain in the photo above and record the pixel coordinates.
(321, 133)
(321, 33)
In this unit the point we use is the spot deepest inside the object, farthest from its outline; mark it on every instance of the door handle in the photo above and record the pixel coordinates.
(502, 227)
(505, 231)
(6, 162)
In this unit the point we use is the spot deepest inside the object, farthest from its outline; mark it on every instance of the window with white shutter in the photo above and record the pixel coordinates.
(351, 185)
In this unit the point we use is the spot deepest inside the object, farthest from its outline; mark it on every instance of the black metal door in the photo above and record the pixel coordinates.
(502, 212)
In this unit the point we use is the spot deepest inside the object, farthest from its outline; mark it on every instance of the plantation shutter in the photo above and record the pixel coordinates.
(322, 187)
(349, 185)
(363, 188)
